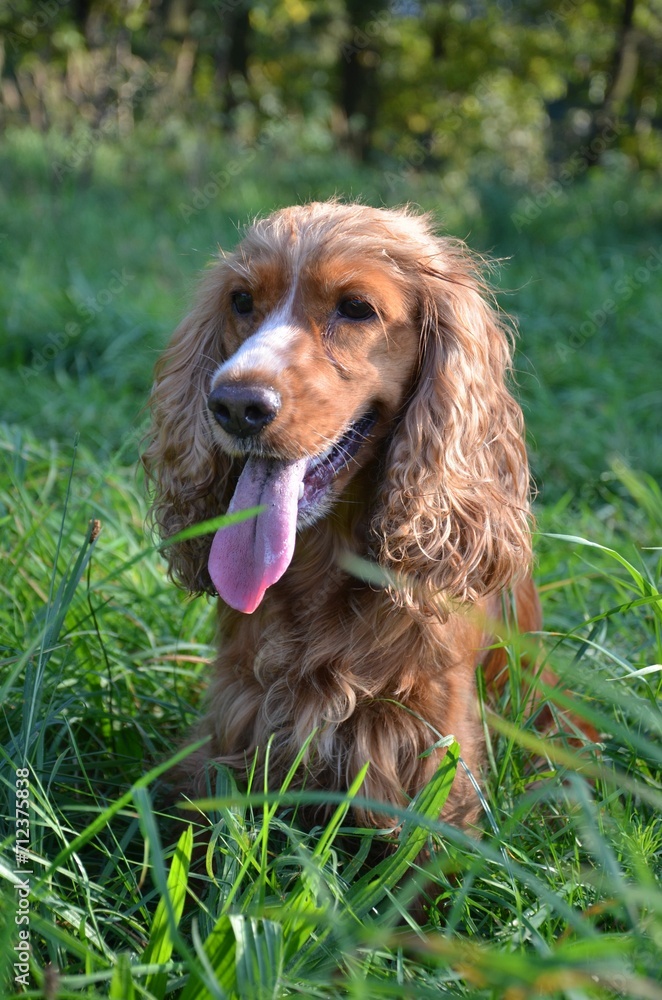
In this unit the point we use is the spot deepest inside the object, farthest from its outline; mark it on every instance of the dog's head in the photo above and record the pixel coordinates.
(334, 332)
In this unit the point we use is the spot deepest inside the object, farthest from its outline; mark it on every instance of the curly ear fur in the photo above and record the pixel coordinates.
(188, 472)
(454, 516)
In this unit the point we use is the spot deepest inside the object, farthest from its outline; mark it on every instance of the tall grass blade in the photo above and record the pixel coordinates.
(219, 954)
(259, 957)
(161, 941)
(121, 985)
(372, 887)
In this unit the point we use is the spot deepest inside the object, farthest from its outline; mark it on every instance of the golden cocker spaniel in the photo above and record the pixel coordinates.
(345, 371)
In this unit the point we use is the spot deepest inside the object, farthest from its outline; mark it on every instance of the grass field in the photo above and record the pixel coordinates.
(103, 661)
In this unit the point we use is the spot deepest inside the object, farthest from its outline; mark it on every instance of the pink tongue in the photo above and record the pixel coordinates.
(247, 558)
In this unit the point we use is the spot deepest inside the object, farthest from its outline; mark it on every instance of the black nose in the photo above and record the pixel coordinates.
(243, 410)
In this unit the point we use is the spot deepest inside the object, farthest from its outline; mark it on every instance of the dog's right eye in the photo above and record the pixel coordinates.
(356, 309)
(242, 302)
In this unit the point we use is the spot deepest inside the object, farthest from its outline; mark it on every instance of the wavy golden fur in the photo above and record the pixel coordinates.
(437, 493)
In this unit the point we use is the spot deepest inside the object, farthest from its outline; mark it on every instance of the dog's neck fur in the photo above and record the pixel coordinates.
(288, 652)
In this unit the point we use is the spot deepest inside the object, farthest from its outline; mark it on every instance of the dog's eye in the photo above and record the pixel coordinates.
(242, 302)
(356, 309)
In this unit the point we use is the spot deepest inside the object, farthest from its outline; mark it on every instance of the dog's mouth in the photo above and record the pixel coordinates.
(249, 557)
(322, 469)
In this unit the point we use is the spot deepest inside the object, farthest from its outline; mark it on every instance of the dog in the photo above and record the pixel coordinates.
(345, 370)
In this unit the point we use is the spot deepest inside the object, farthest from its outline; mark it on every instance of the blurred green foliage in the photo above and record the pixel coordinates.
(139, 135)
(513, 90)
(90, 293)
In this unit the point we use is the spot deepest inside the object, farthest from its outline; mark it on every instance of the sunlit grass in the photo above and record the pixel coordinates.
(560, 897)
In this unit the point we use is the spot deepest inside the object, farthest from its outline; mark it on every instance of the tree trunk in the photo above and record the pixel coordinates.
(233, 49)
(359, 96)
(623, 75)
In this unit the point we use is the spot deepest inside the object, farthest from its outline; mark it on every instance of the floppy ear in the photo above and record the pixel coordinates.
(187, 471)
(454, 521)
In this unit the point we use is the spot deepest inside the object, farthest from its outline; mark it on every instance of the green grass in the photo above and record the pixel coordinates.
(102, 660)
(62, 242)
